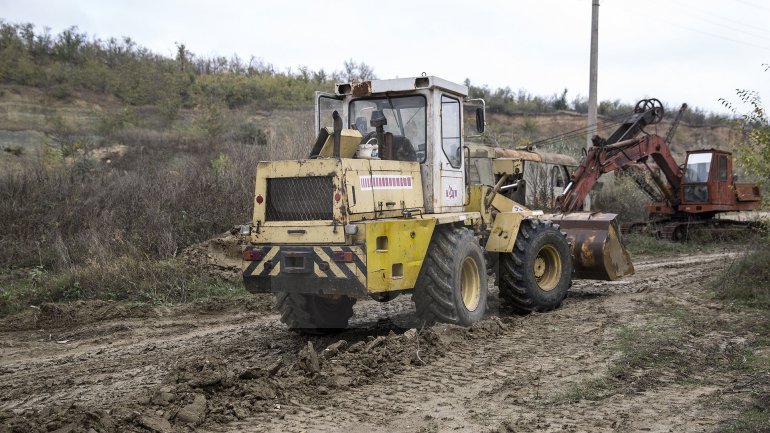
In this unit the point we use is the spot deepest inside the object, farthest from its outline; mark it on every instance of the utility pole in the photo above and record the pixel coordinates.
(592, 86)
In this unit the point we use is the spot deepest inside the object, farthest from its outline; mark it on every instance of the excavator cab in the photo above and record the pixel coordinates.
(696, 177)
(707, 178)
(708, 185)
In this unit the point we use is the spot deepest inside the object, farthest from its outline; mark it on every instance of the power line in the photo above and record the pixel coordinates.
(741, 23)
(579, 132)
(719, 36)
(748, 3)
(717, 23)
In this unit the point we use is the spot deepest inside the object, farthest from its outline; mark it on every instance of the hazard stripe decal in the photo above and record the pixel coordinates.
(317, 260)
(323, 265)
(348, 273)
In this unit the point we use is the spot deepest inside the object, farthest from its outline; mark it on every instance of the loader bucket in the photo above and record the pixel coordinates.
(597, 250)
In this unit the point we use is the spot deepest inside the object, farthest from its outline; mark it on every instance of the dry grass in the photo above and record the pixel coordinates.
(80, 227)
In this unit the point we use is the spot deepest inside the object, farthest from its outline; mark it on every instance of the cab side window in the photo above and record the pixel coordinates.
(722, 167)
(450, 130)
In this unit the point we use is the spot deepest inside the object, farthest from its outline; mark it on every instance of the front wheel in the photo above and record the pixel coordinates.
(452, 285)
(536, 275)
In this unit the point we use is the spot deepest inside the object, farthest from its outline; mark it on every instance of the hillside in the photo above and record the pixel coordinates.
(31, 119)
(128, 157)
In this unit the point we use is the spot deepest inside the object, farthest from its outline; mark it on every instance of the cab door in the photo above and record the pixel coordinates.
(722, 194)
(452, 188)
(325, 105)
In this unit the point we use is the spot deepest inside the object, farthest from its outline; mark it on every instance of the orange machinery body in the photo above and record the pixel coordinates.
(710, 189)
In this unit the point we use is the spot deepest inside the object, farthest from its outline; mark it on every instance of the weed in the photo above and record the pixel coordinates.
(220, 163)
(36, 274)
(644, 244)
(126, 279)
(756, 419)
(14, 149)
(595, 388)
(747, 281)
(249, 133)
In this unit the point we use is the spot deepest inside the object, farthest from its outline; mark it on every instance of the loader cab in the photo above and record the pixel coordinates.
(707, 179)
(423, 117)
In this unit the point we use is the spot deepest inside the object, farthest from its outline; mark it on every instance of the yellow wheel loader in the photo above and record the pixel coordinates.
(383, 206)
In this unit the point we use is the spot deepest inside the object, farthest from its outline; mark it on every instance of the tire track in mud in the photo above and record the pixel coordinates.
(506, 369)
(112, 367)
(482, 382)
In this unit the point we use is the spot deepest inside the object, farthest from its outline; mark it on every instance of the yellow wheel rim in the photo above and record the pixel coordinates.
(547, 268)
(470, 284)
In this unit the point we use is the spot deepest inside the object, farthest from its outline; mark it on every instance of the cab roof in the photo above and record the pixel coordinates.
(373, 87)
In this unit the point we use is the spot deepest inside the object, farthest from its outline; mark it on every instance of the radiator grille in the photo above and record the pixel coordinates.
(299, 199)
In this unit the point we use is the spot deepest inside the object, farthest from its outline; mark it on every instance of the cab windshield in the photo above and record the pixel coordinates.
(406, 120)
(698, 167)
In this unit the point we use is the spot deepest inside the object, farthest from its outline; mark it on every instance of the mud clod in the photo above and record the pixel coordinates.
(374, 343)
(163, 397)
(334, 349)
(195, 412)
(155, 423)
(308, 359)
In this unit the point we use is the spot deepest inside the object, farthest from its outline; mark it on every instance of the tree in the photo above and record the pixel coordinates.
(754, 151)
(358, 71)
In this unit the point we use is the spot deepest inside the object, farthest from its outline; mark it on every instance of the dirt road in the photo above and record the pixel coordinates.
(650, 353)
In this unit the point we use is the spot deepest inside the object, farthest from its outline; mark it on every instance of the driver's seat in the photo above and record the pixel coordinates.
(403, 149)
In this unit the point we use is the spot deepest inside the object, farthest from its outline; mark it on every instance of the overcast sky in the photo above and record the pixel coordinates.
(693, 51)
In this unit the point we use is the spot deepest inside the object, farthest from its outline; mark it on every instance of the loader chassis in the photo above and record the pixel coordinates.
(382, 207)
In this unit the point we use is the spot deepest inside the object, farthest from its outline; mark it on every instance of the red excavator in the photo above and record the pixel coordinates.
(686, 198)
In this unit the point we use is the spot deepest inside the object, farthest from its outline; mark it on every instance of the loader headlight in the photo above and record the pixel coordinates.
(245, 230)
(351, 229)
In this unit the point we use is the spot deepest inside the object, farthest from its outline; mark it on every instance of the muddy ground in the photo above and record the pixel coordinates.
(654, 352)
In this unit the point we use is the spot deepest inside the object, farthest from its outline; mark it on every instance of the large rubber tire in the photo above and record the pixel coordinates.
(452, 285)
(313, 313)
(538, 273)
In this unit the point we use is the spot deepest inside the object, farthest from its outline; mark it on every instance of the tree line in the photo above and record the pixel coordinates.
(72, 60)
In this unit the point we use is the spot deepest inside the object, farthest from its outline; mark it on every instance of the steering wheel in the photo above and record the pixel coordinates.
(368, 136)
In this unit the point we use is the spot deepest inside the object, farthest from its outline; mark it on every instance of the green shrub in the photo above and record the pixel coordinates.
(14, 149)
(121, 279)
(748, 279)
(249, 133)
(117, 120)
(621, 195)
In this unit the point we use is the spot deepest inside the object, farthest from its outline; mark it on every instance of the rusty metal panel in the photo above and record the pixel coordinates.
(362, 89)
(747, 192)
(597, 250)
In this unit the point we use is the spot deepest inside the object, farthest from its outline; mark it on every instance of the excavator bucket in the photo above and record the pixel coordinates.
(597, 250)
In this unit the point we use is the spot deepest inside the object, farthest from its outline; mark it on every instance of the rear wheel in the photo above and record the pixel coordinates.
(538, 273)
(314, 313)
(452, 285)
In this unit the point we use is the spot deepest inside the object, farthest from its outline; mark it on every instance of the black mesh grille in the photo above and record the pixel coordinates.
(299, 199)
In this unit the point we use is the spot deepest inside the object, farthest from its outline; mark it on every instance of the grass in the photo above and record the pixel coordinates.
(125, 279)
(673, 345)
(593, 389)
(643, 244)
(747, 281)
(756, 419)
